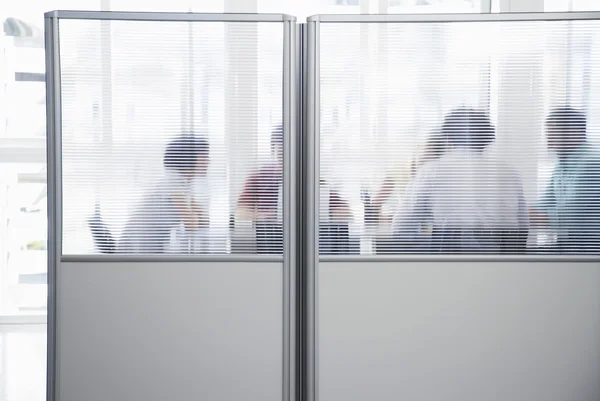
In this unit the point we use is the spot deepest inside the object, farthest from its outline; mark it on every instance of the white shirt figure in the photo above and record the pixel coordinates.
(149, 227)
(464, 202)
(186, 241)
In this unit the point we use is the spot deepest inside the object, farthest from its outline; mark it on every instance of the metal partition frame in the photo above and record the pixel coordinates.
(301, 106)
(290, 173)
(311, 142)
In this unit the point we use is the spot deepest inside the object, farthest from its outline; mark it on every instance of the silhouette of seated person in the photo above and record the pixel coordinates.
(466, 201)
(396, 182)
(169, 203)
(401, 175)
(570, 204)
(261, 201)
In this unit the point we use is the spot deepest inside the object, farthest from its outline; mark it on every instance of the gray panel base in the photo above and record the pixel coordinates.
(169, 331)
(435, 331)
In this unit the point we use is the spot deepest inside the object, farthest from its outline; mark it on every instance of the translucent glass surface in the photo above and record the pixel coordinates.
(460, 137)
(171, 137)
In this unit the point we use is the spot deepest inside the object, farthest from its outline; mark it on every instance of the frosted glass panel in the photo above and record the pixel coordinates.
(462, 137)
(165, 124)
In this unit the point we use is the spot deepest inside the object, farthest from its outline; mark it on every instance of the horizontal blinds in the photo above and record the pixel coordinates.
(464, 137)
(165, 128)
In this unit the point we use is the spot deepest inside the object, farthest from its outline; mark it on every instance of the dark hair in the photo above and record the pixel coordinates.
(182, 153)
(277, 135)
(567, 119)
(468, 128)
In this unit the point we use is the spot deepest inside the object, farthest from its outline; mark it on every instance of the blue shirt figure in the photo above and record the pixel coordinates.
(571, 203)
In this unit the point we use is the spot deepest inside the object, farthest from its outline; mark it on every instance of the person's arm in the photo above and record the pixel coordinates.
(338, 207)
(259, 198)
(415, 211)
(393, 182)
(201, 214)
(384, 193)
(248, 201)
(178, 189)
(185, 211)
(200, 200)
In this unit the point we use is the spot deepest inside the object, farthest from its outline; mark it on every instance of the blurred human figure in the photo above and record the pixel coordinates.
(571, 203)
(434, 148)
(466, 201)
(261, 200)
(260, 197)
(400, 178)
(170, 203)
(194, 238)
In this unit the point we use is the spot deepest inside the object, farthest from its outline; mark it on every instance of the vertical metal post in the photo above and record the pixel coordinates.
(311, 217)
(53, 135)
(289, 209)
(300, 65)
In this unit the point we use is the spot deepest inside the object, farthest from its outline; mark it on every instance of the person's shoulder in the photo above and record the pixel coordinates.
(586, 162)
(449, 161)
(430, 167)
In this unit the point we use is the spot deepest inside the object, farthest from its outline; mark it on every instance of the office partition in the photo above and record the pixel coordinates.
(433, 188)
(171, 270)
(431, 129)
